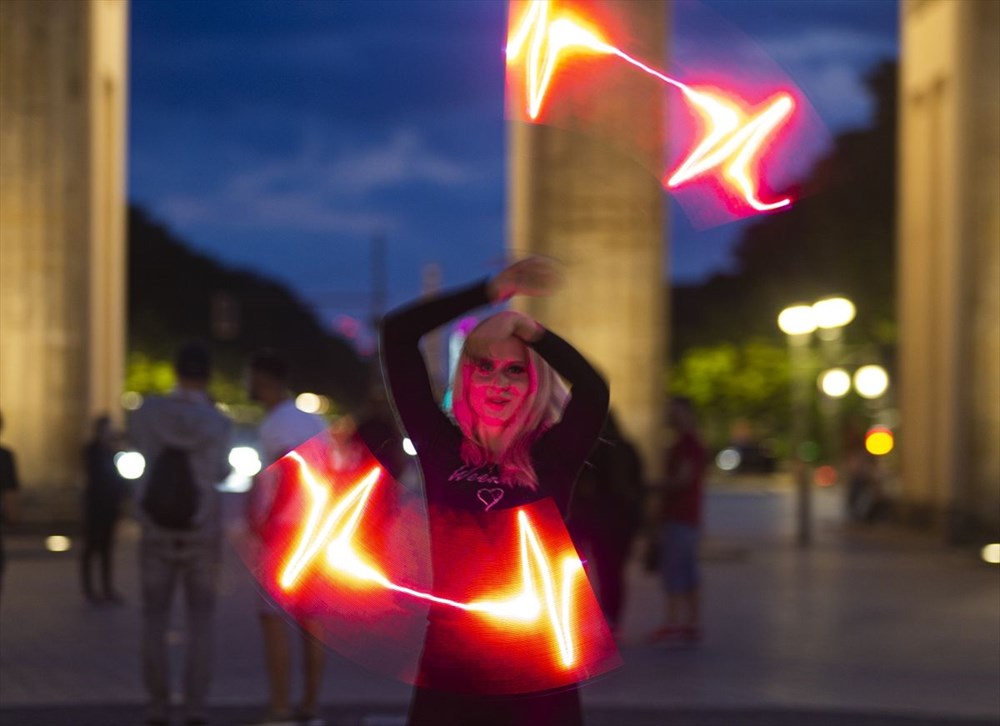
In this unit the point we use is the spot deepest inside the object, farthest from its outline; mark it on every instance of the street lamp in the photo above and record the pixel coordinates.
(798, 322)
(827, 317)
(832, 314)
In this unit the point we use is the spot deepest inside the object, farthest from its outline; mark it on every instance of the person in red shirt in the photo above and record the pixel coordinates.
(680, 525)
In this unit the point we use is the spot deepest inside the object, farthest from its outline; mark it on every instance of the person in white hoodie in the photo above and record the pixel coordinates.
(186, 419)
(283, 429)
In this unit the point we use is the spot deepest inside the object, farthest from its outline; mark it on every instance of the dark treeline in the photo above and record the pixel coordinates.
(176, 294)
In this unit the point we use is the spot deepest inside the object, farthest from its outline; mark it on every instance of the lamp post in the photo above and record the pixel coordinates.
(832, 314)
(798, 322)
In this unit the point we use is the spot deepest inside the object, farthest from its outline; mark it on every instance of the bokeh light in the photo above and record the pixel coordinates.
(871, 381)
(130, 464)
(991, 553)
(808, 451)
(728, 459)
(245, 460)
(835, 382)
(58, 543)
(131, 401)
(879, 441)
(833, 312)
(308, 402)
(797, 320)
(825, 476)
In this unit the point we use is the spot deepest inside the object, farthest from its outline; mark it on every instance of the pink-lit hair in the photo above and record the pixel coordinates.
(542, 408)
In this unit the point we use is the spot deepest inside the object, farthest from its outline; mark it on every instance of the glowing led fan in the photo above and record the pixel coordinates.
(547, 39)
(504, 608)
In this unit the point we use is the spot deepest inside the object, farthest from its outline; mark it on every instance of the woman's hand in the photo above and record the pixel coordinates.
(527, 329)
(510, 324)
(532, 276)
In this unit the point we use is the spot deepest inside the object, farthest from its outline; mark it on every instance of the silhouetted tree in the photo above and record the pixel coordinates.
(175, 293)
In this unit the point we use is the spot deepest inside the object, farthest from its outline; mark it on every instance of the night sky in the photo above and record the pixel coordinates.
(282, 137)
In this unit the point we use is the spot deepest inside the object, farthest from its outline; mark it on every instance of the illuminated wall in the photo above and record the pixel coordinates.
(949, 263)
(62, 227)
(579, 200)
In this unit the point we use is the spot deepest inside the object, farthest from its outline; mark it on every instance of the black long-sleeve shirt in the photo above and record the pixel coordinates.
(557, 455)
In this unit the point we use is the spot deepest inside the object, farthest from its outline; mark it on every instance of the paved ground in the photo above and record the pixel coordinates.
(867, 627)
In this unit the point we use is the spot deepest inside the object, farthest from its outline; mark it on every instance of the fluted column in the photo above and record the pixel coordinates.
(577, 197)
(62, 215)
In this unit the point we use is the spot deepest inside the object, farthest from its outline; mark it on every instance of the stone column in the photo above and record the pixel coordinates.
(62, 226)
(576, 197)
(949, 264)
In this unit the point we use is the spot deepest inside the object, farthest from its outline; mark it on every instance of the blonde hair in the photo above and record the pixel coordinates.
(542, 408)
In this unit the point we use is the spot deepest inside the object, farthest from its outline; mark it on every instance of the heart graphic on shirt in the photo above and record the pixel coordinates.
(489, 497)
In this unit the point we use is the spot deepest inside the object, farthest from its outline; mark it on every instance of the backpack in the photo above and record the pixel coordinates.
(171, 494)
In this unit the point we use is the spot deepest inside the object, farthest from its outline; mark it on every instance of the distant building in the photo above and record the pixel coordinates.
(62, 234)
(949, 265)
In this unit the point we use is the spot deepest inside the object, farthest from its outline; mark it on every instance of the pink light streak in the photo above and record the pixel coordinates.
(733, 138)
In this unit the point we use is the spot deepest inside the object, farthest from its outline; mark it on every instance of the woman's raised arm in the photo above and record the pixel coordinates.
(403, 365)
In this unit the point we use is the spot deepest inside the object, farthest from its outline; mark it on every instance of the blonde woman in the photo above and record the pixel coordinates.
(518, 435)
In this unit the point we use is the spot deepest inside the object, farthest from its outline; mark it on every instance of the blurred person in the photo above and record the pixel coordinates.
(680, 525)
(514, 440)
(283, 429)
(606, 514)
(104, 490)
(186, 421)
(865, 500)
(9, 487)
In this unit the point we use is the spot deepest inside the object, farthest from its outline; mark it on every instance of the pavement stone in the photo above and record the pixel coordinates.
(378, 715)
(869, 626)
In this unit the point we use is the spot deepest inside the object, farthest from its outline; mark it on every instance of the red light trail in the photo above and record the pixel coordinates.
(733, 137)
(335, 532)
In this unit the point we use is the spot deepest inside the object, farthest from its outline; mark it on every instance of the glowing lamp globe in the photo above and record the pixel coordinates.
(797, 320)
(833, 312)
(835, 382)
(871, 381)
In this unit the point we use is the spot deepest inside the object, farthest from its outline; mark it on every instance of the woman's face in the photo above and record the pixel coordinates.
(499, 382)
